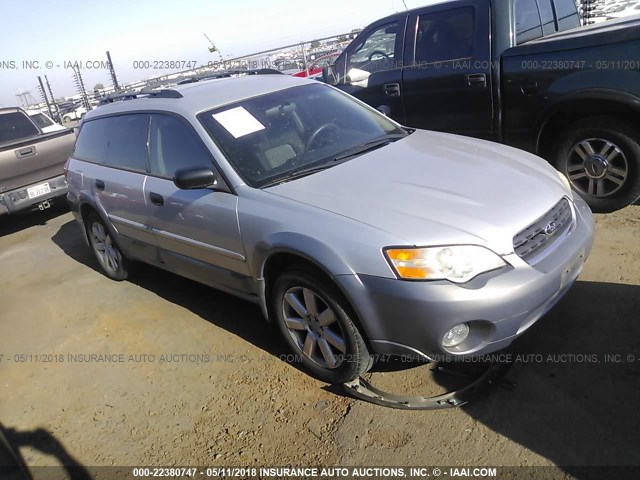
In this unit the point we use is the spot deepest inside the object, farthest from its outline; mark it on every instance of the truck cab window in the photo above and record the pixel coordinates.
(547, 17)
(567, 13)
(375, 52)
(528, 24)
(444, 36)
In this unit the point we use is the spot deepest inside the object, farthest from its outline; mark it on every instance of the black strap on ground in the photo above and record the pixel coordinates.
(489, 378)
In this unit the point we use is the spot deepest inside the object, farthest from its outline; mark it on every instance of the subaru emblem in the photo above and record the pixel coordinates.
(550, 228)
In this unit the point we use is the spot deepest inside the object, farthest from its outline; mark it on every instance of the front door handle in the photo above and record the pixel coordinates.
(156, 199)
(391, 89)
(99, 184)
(476, 80)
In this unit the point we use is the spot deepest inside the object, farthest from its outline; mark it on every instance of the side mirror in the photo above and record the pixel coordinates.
(356, 75)
(329, 75)
(193, 178)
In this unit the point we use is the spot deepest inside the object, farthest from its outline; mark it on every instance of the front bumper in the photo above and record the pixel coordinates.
(18, 200)
(411, 318)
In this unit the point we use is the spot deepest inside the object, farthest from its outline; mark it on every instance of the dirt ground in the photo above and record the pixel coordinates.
(198, 378)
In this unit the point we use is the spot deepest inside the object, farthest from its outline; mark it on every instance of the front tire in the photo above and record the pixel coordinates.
(111, 259)
(315, 321)
(601, 158)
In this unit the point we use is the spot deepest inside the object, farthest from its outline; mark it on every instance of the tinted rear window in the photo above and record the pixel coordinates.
(119, 141)
(528, 26)
(14, 126)
(567, 13)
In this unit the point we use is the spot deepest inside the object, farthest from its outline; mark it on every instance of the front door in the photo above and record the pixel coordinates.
(196, 230)
(378, 53)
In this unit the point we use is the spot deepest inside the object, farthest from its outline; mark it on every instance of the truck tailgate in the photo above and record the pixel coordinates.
(34, 159)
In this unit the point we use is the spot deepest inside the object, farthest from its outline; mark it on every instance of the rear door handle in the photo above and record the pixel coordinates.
(476, 80)
(99, 184)
(391, 89)
(156, 199)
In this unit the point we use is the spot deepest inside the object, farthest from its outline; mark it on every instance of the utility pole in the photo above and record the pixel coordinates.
(43, 93)
(77, 77)
(53, 101)
(112, 71)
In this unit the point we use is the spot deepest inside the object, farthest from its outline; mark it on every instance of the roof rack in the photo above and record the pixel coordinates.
(146, 91)
(236, 72)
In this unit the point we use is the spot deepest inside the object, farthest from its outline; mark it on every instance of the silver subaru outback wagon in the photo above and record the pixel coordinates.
(356, 236)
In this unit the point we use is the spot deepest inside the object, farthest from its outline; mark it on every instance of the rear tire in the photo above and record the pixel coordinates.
(317, 324)
(601, 158)
(112, 261)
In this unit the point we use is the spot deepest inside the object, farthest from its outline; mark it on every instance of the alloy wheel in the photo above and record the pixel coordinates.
(314, 327)
(107, 253)
(597, 167)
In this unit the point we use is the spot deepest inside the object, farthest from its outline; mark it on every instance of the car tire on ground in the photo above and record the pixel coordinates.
(317, 324)
(112, 261)
(66, 119)
(601, 158)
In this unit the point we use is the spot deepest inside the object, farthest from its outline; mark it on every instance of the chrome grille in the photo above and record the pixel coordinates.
(541, 234)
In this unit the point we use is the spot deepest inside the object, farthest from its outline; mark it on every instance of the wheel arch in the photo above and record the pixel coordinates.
(578, 105)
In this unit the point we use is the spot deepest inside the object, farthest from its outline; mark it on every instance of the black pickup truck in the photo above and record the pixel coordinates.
(520, 72)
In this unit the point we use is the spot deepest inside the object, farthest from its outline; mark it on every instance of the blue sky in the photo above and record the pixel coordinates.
(63, 31)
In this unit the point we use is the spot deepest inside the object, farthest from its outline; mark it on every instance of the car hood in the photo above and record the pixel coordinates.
(433, 189)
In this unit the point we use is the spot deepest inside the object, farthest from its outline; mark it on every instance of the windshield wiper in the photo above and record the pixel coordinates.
(369, 146)
(298, 174)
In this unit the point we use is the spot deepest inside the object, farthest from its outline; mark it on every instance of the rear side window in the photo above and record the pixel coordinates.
(173, 146)
(567, 13)
(119, 141)
(528, 25)
(14, 126)
(446, 35)
(547, 17)
(40, 120)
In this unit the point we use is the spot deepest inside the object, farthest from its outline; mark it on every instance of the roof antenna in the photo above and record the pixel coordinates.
(405, 5)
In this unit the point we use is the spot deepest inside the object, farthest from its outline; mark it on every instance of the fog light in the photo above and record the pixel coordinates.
(456, 335)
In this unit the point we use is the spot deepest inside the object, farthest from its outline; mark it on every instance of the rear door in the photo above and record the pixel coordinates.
(197, 230)
(447, 78)
(378, 52)
(115, 153)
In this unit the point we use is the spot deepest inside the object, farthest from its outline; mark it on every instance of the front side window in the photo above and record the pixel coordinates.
(174, 146)
(445, 35)
(119, 141)
(273, 136)
(528, 25)
(375, 52)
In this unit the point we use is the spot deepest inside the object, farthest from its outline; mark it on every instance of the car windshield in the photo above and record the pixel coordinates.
(272, 137)
(41, 120)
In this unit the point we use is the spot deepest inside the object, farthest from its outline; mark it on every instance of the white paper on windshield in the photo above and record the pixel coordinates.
(238, 122)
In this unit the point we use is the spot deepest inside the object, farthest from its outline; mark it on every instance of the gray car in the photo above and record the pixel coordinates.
(356, 236)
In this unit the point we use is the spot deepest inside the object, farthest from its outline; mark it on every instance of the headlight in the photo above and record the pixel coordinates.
(565, 182)
(457, 263)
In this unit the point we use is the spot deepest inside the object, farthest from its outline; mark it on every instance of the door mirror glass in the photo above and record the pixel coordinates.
(356, 75)
(193, 178)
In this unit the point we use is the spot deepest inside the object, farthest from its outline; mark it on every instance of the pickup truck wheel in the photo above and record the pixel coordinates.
(313, 318)
(113, 263)
(601, 158)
